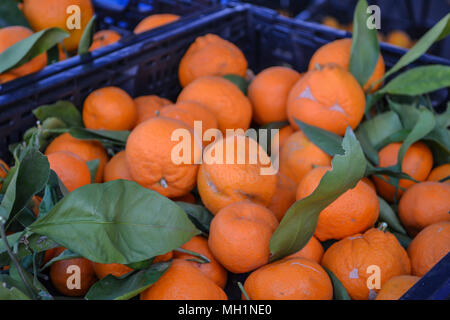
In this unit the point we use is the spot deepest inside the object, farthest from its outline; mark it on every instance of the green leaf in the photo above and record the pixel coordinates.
(418, 81)
(87, 37)
(339, 291)
(93, 167)
(52, 194)
(26, 246)
(116, 222)
(127, 287)
(403, 239)
(365, 47)
(62, 110)
(65, 255)
(11, 15)
(380, 127)
(300, 221)
(25, 50)
(438, 32)
(239, 81)
(424, 125)
(8, 292)
(198, 214)
(106, 137)
(327, 141)
(31, 176)
(388, 215)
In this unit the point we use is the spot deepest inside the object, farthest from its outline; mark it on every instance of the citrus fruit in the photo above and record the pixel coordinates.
(289, 279)
(417, 162)
(10, 36)
(354, 211)
(210, 55)
(44, 14)
(183, 281)
(150, 157)
(329, 98)
(313, 250)
(239, 236)
(230, 106)
(109, 108)
(213, 270)
(149, 107)
(423, 204)
(396, 287)
(104, 38)
(352, 258)
(155, 21)
(87, 150)
(338, 52)
(268, 93)
(70, 168)
(117, 168)
(233, 170)
(439, 173)
(429, 247)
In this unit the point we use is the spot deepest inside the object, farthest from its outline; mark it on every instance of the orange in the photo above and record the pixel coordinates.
(149, 107)
(369, 183)
(331, 22)
(116, 269)
(284, 196)
(224, 99)
(440, 173)
(417, 162)
(289, 279)
(268, 93)
(282, 135)
(234, 169)
(6, 77)
(313, 250)
(52, 253)
(210, 55)
(163, 257)
(423, 204)
(117, 168)
(239, 236)
(70, 168)
(4, 168)
(44, 14)
(213, 270)
(399, 38)
(338, 52)
(189, 112)
(396, 287)
(354, 211)
(10, 36)
(329, 98)
(104, 38)
(87, 150)
(36, 203)
(429, 247)
(109, 108)
(299, 156)
(183, 281)
(349, 259)
(155, 21)
(63, 275)
(150, 153)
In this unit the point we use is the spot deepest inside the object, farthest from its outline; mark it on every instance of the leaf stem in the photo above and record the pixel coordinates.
(14, 258)
(241, 287)
(195, 254)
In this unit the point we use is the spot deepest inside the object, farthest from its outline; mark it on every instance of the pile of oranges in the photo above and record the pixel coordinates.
(248, 206)
(44, 14)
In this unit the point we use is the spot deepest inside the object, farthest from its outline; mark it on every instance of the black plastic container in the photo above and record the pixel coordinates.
(414, 17)
(150, 67)
(121, 16)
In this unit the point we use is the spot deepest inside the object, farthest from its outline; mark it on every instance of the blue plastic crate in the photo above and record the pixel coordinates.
(150, 66)
(414, 17)
(121, 16)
